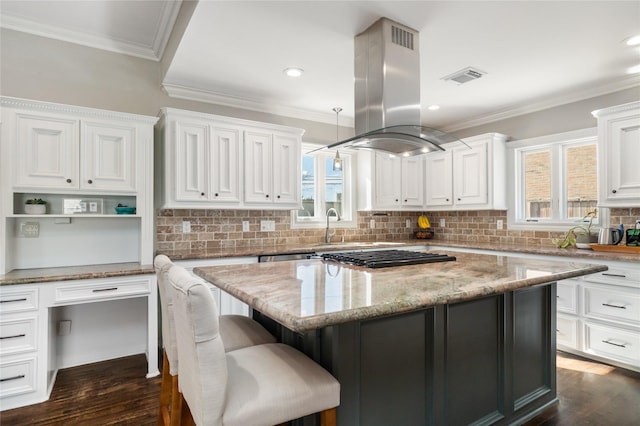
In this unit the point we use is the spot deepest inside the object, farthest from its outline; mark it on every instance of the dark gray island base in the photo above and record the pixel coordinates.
(486, 361)
(455, 343)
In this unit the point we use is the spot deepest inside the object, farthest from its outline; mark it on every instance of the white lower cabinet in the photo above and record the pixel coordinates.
(226, 303)
(599, 316)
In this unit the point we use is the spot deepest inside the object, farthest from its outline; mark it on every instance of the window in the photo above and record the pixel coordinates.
(324, 188)
(555, 180)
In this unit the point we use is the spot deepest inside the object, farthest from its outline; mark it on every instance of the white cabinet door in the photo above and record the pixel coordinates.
(439, 179)
(108, 157)
(619, 151)
(191, 162)
(225, 164)
(286, 169)
(413, 182)
(47, 154)
(258, 167)
(470, 179)
(388, 174)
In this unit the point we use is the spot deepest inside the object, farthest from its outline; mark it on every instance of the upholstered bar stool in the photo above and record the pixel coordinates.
(259, 385)
(238, 331)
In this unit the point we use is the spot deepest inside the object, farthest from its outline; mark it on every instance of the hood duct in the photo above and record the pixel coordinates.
(387, 93)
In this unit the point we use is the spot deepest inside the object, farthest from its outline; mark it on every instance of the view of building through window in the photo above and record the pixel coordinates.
(565, 172)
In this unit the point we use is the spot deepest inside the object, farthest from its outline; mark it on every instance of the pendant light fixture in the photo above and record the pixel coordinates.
(337, 162)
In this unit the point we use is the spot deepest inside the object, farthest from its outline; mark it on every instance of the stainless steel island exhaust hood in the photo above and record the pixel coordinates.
(387, 93)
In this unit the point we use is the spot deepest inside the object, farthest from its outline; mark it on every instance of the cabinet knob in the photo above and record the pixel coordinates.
(267, 195)
(90, 181)
(447, 199)
(215, 195)
(396, 200)
(405, 201)
(459, 199)
(614, 191)
(202, 193)
(278, 197)
(68, 180)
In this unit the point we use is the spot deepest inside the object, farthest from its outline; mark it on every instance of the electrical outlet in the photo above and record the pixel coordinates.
(408, 223)
(30, 229)
(245, 226)
(499, 224)
(442, 223)
(267, 225)
(186, 226)
(372, 224)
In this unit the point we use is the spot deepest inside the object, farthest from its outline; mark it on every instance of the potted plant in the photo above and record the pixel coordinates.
(35, 206)
(580, 235)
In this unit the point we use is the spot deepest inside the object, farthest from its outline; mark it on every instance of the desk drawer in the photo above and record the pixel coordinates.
(612, 303)
(17, 377)
(612, 342)
(18, 300)
(86, 291)
(17, 335)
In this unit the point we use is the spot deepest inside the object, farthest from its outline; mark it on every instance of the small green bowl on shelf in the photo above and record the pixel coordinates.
(125, 210)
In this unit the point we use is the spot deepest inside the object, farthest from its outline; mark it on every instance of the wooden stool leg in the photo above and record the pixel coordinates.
(186, 419)
(177, 403)
(165, 394)
(328, 417)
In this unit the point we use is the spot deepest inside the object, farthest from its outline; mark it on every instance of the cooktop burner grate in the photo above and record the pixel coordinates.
(386, 258)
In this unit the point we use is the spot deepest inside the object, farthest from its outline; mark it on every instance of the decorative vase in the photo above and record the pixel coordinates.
(35, 208)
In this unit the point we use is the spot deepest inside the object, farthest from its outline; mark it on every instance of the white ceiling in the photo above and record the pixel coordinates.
(536, 54)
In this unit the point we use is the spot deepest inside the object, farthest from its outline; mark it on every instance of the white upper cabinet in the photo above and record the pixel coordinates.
(468, 178)
(618, 154)
(272, 169)
(399, 182)
(206, 161)
(58, 152)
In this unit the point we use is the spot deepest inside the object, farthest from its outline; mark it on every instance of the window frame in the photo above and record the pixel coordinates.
(557, 144)
(349, 220)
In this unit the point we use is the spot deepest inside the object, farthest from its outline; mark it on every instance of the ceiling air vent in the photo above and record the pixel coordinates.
(465, 75)
(401, 37)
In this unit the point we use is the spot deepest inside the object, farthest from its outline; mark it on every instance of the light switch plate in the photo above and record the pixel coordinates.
(245, 226)
(30, 229)
(186, 226)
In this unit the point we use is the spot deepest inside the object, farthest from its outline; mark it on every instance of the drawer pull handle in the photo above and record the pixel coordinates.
(98, 290)
(614, 344)
(21, 376)
(14, 300)
(614, 275)
(12, 337)
(614, 306)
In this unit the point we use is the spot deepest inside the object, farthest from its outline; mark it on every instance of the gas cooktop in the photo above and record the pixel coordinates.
(386, 258)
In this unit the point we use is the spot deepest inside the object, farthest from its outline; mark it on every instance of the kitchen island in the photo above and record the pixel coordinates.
(468, 341)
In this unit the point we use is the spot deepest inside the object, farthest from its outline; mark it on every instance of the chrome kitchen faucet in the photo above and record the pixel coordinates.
(328, 233)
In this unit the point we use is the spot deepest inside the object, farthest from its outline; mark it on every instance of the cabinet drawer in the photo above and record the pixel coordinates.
(17, 377)
(616, 276)
(18, 300)
(567, 331)
(612, 303)
(567, 296)
(101, 290)
(612, 342)
(17, 335)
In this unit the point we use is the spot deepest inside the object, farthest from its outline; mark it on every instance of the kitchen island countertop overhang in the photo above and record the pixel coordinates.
(310, 294)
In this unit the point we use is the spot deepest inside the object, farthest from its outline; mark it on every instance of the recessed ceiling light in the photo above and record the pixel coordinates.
(633, 41)
(293, 71)
(433, 107)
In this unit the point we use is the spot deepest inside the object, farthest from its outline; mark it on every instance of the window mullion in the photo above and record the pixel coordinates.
(320, 187)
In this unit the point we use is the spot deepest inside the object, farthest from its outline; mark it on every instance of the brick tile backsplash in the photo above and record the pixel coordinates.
(223, 228)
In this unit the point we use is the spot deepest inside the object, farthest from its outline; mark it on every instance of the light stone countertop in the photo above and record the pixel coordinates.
(310, 294)
(66, 273)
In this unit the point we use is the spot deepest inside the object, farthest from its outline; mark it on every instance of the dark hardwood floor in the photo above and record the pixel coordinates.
(117, 393)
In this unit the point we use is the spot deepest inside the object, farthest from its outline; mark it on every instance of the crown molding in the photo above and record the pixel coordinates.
(182, 92)
(154, 52)
(626, 82)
